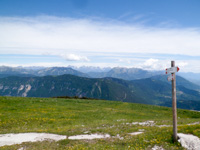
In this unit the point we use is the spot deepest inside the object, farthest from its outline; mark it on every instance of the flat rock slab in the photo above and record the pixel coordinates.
(11, 139)
(146, 123)
(188, 141)
(89, 136)
(157, 148)
(135, 133)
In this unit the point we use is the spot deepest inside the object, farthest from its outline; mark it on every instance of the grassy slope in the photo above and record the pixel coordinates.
(73, 117)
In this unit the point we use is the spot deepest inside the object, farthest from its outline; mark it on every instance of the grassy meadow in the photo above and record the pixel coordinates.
(74, 117)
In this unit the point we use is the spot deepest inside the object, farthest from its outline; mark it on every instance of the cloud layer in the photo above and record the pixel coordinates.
(96, 42)
(57, 36)
(73, 57)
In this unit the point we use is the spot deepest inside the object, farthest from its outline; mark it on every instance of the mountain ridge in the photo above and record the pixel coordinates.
(18, 71)
(147, 91)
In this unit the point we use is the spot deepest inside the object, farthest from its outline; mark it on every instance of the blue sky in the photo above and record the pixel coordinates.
(183, 13)
(128, 33)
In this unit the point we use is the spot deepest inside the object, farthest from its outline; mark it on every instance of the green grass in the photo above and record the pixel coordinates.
(74, 116)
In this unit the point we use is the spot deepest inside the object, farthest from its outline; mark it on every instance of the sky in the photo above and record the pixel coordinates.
(145, 34)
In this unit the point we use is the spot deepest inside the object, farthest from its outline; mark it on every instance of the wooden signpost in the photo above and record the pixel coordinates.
(172, 71)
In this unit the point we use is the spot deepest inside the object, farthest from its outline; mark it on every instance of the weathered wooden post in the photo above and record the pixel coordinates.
(172, 78)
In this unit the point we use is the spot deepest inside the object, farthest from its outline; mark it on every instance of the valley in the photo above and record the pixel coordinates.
(153, 87)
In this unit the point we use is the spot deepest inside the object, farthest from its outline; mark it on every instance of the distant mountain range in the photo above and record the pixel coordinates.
(117, 72)
(87, 69)
(193, 77)
(92, 72)
(125, 73)
(154, 90)
(55, 71)
(180, 81)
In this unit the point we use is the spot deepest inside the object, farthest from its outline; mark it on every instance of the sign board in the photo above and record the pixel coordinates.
(172, 70)
(171, 77)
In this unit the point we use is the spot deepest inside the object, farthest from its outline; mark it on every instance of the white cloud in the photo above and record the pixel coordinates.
(182, 64)
(153, 64)
(150, 62)
(159, 64)
(73, 57)
(125, 60)
(56, 35)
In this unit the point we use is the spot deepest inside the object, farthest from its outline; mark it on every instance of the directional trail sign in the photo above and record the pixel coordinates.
(170, 77)
(172, 70)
